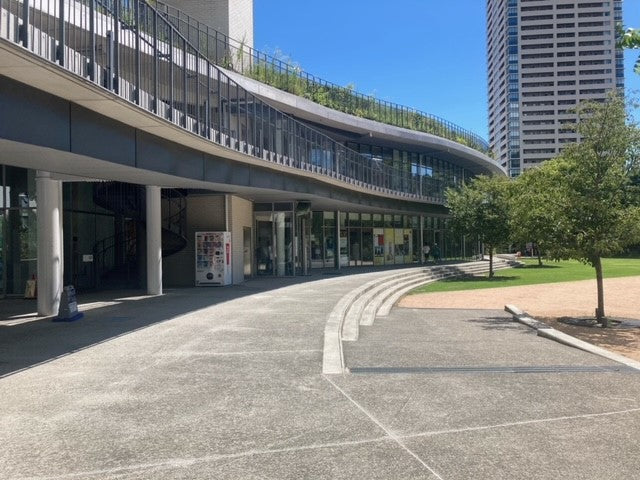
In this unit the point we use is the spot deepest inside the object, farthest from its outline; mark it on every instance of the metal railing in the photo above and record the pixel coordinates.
(129, 48)
(128, 201)
(235, 55)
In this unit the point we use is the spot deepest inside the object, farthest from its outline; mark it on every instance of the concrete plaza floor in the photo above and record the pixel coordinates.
(227, 384)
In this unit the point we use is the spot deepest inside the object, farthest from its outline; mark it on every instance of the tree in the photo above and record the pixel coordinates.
(532, 213)
(479, 208)
(631, 39)
(595, 206)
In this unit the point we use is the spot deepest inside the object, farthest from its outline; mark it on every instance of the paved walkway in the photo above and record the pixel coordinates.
(226, 384)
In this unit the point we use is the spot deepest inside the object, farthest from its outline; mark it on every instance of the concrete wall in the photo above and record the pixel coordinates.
(241, 21)
(204, 213)
(231, 17)
(241, 215)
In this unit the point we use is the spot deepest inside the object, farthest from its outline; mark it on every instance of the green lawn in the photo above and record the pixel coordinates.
(531, 273)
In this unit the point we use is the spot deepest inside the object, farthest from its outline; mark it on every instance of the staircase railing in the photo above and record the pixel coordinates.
(165, 74)
(175, 212)
(128, 200)
(105, 252)
(236, 55)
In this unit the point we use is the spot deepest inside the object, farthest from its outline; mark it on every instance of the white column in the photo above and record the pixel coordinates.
(154, 240)
(50, 250)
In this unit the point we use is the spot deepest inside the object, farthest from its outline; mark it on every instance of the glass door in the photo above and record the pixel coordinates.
(264, 244)
(355, 247)
(274, 251)
(367, 246)
(283, 240)
(303, 245)
(344, 248)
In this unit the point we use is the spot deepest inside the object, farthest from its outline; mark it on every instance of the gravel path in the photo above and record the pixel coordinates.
(622, 298)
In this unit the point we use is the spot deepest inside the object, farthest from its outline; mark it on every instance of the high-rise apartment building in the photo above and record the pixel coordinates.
(544, 57)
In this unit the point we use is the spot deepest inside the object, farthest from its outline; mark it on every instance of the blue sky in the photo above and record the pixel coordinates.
(426, 54)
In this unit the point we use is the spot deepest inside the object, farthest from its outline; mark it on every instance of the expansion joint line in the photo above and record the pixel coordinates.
(388, 432)
(522, 423)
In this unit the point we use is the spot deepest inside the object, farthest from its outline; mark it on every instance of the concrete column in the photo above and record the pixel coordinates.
(154, 240)
(280, 246)
(50, 250)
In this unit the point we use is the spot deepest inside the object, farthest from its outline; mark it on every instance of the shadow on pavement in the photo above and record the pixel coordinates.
(499, 323)
(27, 340)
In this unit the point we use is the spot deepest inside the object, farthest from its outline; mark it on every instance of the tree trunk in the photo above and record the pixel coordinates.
(600, 316)
(539, 255)
(490, 261)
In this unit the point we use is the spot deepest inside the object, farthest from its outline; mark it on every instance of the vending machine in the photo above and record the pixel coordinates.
(213, 259)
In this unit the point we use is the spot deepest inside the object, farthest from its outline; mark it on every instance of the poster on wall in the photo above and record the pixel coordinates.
(378, 246)
(213, 259)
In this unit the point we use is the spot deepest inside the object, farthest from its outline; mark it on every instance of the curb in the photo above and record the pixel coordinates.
(546, 331)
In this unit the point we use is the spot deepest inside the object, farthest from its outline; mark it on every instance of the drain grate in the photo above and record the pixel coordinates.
(489, 369)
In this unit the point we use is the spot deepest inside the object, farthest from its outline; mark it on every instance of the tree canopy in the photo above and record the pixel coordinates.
(588, 190)
(631, 39)
(480, 209)
(533, 217)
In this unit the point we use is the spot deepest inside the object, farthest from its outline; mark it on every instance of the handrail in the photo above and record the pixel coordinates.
(235, 55)
(129, 200)
(138, 54)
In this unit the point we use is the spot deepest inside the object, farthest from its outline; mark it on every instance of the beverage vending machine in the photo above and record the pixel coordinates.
(213, 258)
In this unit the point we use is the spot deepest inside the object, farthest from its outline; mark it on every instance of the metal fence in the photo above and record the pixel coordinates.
(235, 55)
(129, 48)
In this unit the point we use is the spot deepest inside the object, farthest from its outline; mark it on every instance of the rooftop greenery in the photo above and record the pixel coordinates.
(283, 74)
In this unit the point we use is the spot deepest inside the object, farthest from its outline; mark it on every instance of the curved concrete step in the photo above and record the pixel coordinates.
(373, 309)
(333, 358)
(393, 298)
(352, 317)
(436, 273)
(362, 304)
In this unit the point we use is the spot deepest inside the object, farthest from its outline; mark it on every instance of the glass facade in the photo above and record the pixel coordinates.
(97, 241)
(18, 241)
(514, 90)
(282, 239)
(289, 239)
(414, 171)
(381, 239)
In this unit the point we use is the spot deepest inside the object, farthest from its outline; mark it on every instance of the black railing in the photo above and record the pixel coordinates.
(119, 251)
(129, 48)
(237, 56)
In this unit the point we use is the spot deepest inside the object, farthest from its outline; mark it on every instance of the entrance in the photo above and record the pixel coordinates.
(264, 245)
(303, 244)
(274, 243)
(355, 247)
(367, 246)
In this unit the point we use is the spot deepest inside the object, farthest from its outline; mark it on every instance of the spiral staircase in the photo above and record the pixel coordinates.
(118, 258)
